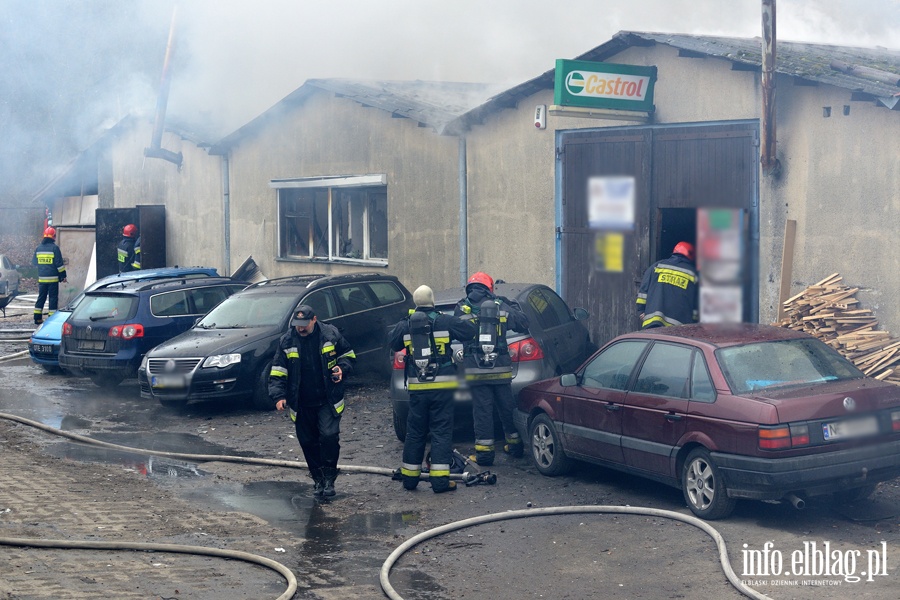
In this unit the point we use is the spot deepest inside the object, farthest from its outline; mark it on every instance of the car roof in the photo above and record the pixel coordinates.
(318, 280)
(720, 335)
(135, 286)
(144, 274)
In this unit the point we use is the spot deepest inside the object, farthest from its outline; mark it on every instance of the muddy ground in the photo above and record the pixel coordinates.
(54, 489)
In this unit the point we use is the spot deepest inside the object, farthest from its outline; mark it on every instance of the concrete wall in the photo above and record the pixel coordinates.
(335, 136)
(840, 180)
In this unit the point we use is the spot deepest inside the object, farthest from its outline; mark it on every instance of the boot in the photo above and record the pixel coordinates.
(318, 482)
(440, 489)
(515, 449)
(330, 475)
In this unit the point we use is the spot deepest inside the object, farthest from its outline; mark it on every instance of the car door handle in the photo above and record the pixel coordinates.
(613, 407)
(673, 417)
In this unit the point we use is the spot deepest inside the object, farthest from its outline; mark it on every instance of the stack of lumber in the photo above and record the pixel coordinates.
(829, 311)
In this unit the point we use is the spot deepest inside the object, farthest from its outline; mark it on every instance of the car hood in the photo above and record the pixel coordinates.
(51, 330)
(206, 342)
(826, 400)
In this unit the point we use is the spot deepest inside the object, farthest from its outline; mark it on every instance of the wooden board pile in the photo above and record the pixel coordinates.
(829, 311)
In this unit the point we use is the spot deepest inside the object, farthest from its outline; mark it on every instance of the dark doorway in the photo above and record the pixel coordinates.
(675, 225)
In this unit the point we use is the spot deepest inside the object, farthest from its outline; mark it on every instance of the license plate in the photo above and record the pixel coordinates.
(42, 348)
(851, 428)
(167, 381)
(91, 345)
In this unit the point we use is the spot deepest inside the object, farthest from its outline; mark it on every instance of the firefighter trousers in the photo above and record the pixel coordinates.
(46, 290)
(429, 411)
(484, 399)
(318, 431)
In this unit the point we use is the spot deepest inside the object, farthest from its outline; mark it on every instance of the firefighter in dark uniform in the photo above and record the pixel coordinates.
(431, 379)
(669, 290)
(51, 270)
(125, 249)
(136, 263)
(488, 365)
(307, 377)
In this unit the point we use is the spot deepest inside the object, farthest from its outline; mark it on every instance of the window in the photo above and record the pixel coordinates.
(612, 368)
(170, 304)
(701, 385)
(333, 218)
(354, 298)
(322, 303)
(386, 292)
(666, 372)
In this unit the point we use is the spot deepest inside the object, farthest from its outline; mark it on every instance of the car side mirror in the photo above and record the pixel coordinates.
(197, 320)
(568, 380)
(581, 314)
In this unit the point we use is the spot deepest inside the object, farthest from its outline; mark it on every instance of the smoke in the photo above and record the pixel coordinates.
(72, 68)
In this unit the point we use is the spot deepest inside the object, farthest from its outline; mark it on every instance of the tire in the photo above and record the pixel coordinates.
(107, 379)
(400, 417)
(173, 404)
(703, 487)
(546, 447)
(53, 369)
(854, 495)
(261, 400)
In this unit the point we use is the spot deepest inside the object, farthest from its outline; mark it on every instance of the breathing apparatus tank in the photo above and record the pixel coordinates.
(423, 350)
(488, 332)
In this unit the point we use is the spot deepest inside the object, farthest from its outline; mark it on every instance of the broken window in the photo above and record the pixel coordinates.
(332, 219)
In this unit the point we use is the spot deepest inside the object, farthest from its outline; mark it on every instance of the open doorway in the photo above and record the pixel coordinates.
(674, 225)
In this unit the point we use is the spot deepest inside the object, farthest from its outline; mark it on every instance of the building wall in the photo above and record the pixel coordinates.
(839, 181)
(336, 136)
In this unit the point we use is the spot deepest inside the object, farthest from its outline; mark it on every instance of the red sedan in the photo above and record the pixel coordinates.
(722, 412)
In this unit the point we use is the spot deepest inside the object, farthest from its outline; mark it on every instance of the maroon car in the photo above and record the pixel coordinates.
(722, 412)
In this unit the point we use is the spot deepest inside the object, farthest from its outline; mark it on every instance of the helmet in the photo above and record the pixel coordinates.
(482, 278)
(50, 233)
(685, 249)
(129, 230)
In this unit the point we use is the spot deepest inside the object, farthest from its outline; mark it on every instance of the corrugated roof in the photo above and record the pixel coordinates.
(432, 104)
(865, 71)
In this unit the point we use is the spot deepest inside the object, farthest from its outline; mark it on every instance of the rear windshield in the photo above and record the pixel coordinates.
(103, 307)
(249, 310)
(769, 365)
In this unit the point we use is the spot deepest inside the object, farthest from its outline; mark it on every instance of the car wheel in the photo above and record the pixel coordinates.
(854, 495)
(173, 404)
(546, 447)
(400, 417)
(261, 400)
(107, 379)
(52, 369)
(704, 490)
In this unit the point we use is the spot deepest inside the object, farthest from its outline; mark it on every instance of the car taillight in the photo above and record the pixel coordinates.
(127, 332)
(895, 420)
(783, 436)
(525, 350)
(399, 358)
(67, 329)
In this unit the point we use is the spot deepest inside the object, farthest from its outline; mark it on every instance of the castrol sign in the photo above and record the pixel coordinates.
(604, 85)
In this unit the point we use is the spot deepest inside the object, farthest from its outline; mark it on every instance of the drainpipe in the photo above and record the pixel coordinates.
(226, 211)
(463, 214)
(767, 158)
(156, 150)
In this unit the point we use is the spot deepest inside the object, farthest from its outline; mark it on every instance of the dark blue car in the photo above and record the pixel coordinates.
(44, 343)
(112, 327)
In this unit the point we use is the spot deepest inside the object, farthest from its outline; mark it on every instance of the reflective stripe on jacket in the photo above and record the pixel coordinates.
(49, 262)
(501, 371)
(669, 293)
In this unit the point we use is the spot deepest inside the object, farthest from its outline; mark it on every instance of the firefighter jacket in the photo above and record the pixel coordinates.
(444, 329)
(284, 377)
(49, 261)
(136, 263)
(125, 254)
(669, 293)
(486, 372)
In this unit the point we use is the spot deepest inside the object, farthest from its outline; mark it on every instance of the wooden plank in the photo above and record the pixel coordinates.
(787, 263)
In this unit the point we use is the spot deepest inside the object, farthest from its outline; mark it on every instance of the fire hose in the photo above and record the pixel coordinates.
(467, 478)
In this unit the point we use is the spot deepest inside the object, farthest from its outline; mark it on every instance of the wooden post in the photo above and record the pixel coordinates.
(787, 265)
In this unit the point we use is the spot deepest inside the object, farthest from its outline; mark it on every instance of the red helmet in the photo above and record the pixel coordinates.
(129, 230)
(685, 249)
(482, 278)
(50, 233)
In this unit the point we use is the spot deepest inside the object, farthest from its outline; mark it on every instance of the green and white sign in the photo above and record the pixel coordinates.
(604, 85)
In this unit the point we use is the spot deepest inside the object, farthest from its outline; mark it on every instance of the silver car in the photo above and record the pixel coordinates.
(556, 342)
(9, 279)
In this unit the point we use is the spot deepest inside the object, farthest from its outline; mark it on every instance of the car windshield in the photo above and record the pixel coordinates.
(249, 310)
(769, 365)
(102, 307)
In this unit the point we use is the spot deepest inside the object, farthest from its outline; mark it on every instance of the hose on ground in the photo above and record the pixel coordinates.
(14, 356)
(566, 510)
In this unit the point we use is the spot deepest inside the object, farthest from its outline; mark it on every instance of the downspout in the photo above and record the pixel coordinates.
(463, 213)
(767, 158)
(226, 211)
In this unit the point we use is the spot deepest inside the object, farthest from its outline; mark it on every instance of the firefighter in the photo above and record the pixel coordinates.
(431, 380)
(125, 250)
(307, 377)
(488, 365)
(136, 263)
(51, 270)
(669, 290)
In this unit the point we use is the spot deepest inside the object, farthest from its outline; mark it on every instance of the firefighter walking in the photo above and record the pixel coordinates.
(488, 365)
(431, 379)
(125, 251)
(669, 290)
(51, 270)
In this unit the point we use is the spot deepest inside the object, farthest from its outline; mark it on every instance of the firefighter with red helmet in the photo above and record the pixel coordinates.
(51, 270)
(488, 364)
(431, 378)
(669, 290)
(125, 253)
